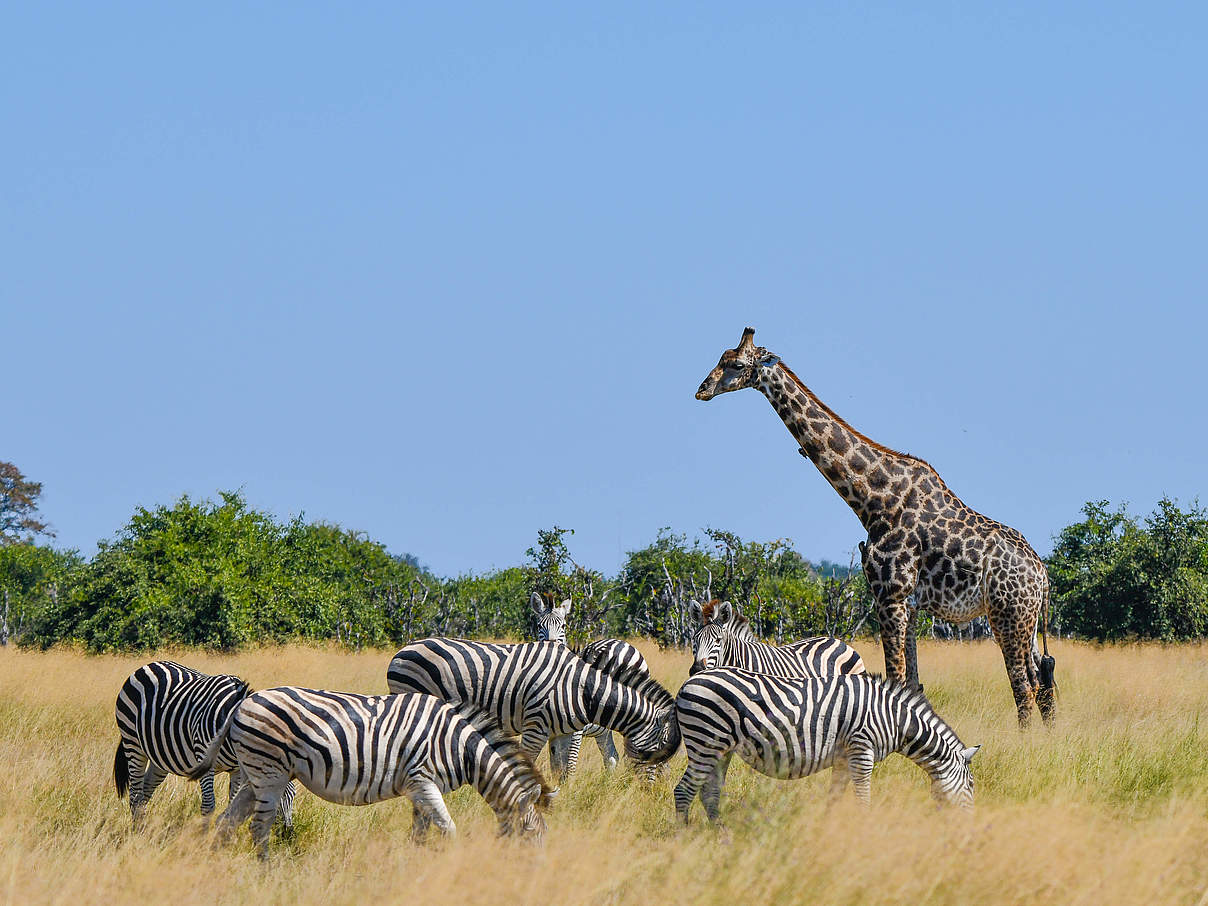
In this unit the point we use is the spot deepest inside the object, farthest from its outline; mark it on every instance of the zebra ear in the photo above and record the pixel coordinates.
(968, 753)
(724, 612)
(695, 612)
(564, 608)
(537, 603)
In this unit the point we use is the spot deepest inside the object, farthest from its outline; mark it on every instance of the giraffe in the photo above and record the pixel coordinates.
(922, 540)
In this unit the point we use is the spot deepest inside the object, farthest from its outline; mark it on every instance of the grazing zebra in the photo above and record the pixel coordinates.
(167, 714)
(723, 638)
(788, 728)
(550, 623)
(536, 690)
(360, 749)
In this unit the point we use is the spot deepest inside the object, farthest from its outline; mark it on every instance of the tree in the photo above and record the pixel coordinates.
(19, 507)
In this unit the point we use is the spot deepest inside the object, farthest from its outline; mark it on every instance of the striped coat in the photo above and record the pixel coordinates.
(788, 728)
(360, 749)
(536, 690)
(723, 638)
(167, 714)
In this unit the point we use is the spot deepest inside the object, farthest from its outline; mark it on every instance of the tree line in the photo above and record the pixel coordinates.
(222, 575)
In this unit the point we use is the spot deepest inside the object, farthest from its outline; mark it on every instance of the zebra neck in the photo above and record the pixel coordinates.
(618, 707)
(924, 737)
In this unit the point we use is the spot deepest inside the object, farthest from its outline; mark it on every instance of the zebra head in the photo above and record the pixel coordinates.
(525, 818)
(657, 742)
(550, 621)
(714, 621)
(952, 780)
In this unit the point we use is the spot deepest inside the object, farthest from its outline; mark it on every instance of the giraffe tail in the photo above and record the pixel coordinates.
(1048, 665)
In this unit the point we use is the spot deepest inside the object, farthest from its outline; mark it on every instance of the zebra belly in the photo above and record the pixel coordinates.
(784, 749)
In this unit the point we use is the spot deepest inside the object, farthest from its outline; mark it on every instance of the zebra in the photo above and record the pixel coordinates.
(166, 715)
(536, 690)
(550, 625)
(723, 638)
(792, 727)
(360, 749)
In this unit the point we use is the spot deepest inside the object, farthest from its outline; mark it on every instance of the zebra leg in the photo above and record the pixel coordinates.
(697, 773)
(564, 755)
(840, 777)
(268, 800)
(710, 794)
(429, 808)
(604, 742)
(207, 793)
(287, 805)
(532, 741)
(859, 766)
(238, 811)
(136, 760)
(153, 777)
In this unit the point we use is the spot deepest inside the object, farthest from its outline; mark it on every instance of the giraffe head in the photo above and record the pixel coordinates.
(550, 620)
(738, 368)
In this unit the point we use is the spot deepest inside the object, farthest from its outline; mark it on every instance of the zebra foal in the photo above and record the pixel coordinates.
(790, 728)
(167, 714)
(361, 749)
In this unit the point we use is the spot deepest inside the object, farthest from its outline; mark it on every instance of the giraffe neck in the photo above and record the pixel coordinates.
(869, 477)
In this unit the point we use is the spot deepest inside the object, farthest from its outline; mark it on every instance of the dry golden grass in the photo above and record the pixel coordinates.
(1111, 806)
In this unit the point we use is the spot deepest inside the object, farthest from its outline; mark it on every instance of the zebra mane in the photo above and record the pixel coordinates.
(908, 695)
(525, 771)
(707, 611)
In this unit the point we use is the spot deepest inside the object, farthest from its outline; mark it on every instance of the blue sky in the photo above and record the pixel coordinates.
(452, 275)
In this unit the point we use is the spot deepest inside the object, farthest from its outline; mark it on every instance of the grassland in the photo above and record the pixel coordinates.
(1110, 806)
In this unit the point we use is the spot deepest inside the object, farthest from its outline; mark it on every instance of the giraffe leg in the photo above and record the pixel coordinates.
(893, 616)
(912, 653)
(1017, 655)
(892, 576)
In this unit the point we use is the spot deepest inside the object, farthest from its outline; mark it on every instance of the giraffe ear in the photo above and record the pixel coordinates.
(695, 612)
(768, 360)
(537, 604)
(724, 612)
(968, 753)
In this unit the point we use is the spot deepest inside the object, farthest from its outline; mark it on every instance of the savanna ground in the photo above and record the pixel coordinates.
(1110, 806)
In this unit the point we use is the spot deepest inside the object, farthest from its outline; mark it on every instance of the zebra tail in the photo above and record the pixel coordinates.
(527, 773)
(121, 771)
(206, 764)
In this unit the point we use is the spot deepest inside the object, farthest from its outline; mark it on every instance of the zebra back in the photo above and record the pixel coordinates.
(538, 689)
